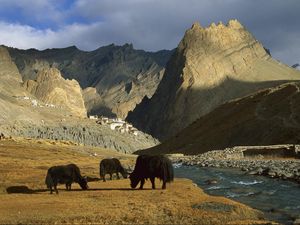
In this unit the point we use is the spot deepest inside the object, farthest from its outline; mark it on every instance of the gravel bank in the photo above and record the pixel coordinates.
(233, 158)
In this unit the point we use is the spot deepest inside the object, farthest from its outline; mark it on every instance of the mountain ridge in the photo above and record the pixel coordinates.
(269, 116)
(104, 69)
(205, 59)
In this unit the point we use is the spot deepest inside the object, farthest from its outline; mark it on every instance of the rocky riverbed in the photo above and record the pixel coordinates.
(287, 169)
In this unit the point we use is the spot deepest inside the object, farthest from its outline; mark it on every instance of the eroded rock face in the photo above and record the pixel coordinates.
(210, 66)
(119, 75)
(8, 69)
(51, 88)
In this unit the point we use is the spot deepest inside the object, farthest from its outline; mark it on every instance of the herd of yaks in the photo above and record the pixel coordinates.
(146, 166)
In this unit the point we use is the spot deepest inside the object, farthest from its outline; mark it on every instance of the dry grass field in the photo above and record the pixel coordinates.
(25, 200)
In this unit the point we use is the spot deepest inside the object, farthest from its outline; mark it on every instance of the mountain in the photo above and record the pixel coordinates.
(209, 67)
(48, 106)
(270, 116)
(296, 66)
(52, 89)
(114, 78)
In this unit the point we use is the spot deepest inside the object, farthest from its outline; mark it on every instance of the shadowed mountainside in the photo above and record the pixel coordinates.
(197, 77)
(115, 78)
(270, 116)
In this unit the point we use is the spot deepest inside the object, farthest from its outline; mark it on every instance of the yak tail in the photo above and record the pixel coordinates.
(49, 181)
(168, 171)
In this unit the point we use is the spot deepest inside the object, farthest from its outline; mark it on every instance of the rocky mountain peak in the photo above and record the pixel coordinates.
(196, 26)
(211, 66)
(51, 88)
(235, 24)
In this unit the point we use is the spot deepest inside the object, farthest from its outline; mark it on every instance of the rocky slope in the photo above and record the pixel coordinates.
(52, 89)
(210, 66)
(270, 116)
(116, 77)
(85, 132)
(10, 86)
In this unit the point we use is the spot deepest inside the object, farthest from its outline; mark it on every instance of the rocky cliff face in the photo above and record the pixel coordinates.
(10, 86)
(267, 117)
(51, 88)
(8, 69)
(210, 66)
(120, 75)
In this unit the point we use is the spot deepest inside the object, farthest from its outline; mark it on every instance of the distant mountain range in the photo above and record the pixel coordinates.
(113, 78)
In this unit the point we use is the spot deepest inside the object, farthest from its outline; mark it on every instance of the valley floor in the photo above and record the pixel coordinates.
(25, 200)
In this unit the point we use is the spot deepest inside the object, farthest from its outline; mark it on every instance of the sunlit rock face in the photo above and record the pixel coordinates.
(51, 88)
(210, 66)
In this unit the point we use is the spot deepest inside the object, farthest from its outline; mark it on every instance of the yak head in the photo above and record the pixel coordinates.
(124, 173)
(83, 183)
(134, 180)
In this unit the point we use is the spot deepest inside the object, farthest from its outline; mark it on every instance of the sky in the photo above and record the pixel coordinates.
(148, 24)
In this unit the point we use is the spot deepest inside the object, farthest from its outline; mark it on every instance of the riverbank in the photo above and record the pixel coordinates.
(25, 200)
(273, 167)
(278, 199)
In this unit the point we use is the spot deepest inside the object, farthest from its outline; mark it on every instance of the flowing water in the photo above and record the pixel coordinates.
(278, 199)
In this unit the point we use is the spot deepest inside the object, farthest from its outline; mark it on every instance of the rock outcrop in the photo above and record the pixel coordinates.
(120, 75)
(10, 86)
(8, 69)
(51, 88)
(210, 66)
(268, 117)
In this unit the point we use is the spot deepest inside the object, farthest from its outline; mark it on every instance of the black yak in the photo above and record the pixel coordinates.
(147, 166)
(110, 166)
(64, 175)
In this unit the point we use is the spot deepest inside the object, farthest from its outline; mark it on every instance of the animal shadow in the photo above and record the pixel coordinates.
(22, 189)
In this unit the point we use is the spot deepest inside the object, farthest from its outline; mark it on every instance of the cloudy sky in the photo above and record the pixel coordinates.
(147, 24)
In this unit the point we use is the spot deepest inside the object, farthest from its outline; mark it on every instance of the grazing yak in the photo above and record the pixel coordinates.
(148, 166)
(64, 175)
(110, 166)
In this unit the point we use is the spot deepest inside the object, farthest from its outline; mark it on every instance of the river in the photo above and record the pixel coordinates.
(278, 199)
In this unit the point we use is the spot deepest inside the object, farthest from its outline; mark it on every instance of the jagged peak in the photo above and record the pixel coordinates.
(196, 25)
(234, 23)
(128, 46)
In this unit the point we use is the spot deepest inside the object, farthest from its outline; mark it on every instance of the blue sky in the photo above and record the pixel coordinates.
(147, 24)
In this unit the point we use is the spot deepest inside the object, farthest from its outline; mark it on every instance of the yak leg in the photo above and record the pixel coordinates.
(68, 186)
(110, 176)
(55, 188)
(164, 185)
(142, 183)
(118, 176)
(103, 177)
(152, 179)
(51, 190)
